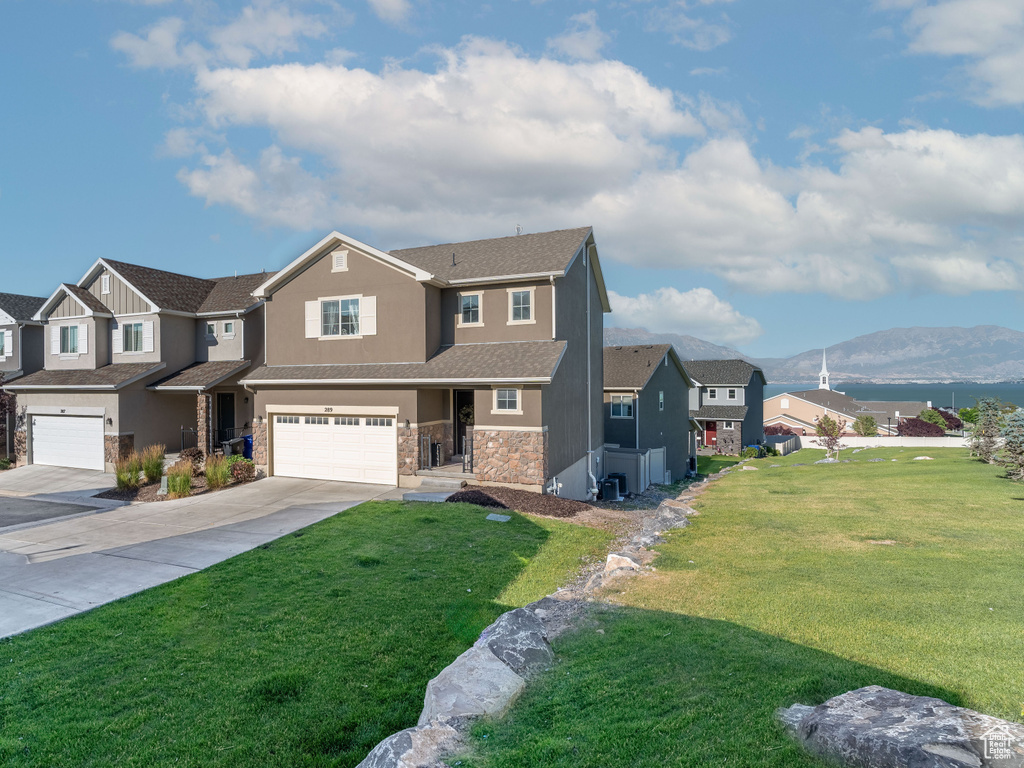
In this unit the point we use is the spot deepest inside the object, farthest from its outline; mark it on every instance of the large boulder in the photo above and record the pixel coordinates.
(877, 727)
(518, 638)
(421, 747)
(476, 683)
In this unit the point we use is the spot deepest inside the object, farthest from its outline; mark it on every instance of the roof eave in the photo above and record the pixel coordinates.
(201, 388)
(407, 382)
(217, 313)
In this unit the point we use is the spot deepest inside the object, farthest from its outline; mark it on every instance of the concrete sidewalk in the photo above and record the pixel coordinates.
(61, 568)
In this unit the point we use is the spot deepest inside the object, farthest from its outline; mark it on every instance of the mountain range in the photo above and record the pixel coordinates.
(985, 353)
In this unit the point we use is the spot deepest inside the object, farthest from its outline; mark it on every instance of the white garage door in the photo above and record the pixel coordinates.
(68, 441)
(356, 449)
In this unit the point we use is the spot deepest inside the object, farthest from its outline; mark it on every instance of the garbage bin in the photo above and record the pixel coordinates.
(247, 447)
(621, 477)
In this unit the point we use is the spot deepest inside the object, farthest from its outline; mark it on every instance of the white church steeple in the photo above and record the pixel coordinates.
(823, 376)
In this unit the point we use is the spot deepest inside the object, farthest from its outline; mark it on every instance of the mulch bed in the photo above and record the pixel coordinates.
(147, 493)
(521, 501)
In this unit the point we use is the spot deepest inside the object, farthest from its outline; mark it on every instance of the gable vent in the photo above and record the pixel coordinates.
(339, 261)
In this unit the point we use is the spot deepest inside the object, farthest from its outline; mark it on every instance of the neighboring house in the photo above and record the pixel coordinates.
(21, 349)
(798, 411)
(135, 356)
(485, 352)
(726, 403)
(646, 404)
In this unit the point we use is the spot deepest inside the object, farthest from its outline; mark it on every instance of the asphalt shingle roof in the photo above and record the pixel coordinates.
(202, 375)
(497, 257)
(716, 412)
(21, 308)
(520, 360)
(710, 373)
(86, 298)
(632, 367)
(179, 293)
(879, 409)
(109, 376)
(233, 294)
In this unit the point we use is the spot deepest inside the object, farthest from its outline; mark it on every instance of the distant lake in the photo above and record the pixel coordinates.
(941, 395)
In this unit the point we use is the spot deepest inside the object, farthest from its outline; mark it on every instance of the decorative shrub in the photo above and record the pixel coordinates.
(179, 479)
(920, 428)
(195, 457)
(153, 463)
(242, 469)
(5, 463)
(126, 472)
(218, 473)
(932, 416)
(952, 421)
(778, 429)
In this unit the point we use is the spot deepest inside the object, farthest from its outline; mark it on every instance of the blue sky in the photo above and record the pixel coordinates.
(772, 176)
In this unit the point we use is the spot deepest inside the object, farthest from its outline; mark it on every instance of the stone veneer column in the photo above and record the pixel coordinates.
(730, 441)
(21, 446)
(260, 454)
(510, 456)
(204, 422)
(117, 447)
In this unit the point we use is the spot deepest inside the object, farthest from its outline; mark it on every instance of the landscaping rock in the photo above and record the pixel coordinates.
(776, 466)
(877, 727)
(420, 747)
(519, 640)
(621, 560)
(874, 460)
(827, 461)
(476, 683)
(749, 469)
(923, 458)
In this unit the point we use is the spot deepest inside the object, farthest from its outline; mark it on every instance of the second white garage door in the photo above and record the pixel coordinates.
(68, 441)
(355, 449)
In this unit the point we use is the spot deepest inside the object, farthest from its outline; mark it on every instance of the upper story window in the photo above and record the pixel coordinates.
(211, 329)
(661, 400)
(341, 317)
(469, 309)
(732, 394)
(727, 425)
(131, 337)
(105, 284)
(3, 343)
(712, 394)
(520, 306)
(229, 328)
(507, 401)
(69, 339)
(622, 406)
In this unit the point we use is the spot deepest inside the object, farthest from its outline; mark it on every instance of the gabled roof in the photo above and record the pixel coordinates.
(879, 409)
(166, 290)
(109, 377)
(519, 362)
(717, 412)
(200, 376)
(722, 373)
(20, 308)
(89, 303)
(545, 254)
(233, 294)
(632, 367)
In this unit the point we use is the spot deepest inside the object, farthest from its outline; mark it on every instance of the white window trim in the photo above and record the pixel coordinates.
(732, 394)
(502, 412)
(713, 390)
(480, 310)
(632, 407)
(728, 425)
(209, 325)
(322, 299)
(532, 290)
(343, 253)
(105, 285)
(123, 337)
(231, 334)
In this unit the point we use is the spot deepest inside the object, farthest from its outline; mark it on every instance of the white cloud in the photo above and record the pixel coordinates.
(697, 312)
(988, 33)
(493, 137)
(391, 11)
(688, 30)
(262, 29)
(583, 40)
(699, 71)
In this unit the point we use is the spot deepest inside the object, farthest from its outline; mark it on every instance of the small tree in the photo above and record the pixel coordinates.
(778, 429)
(830, 433)
(1013, 445)
(932, 416)
(970, 415)
(920, 428)
(953, 423)
(865, 426)
(984, 439)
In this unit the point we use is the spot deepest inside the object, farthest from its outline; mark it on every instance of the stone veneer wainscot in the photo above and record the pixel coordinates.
(510, 456)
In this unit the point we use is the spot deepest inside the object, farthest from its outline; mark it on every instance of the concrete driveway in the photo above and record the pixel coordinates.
(61, 484)
(64, 567)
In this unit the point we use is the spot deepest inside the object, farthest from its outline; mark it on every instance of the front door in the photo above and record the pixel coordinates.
(464, 416)
(225, 416)
(710, 433)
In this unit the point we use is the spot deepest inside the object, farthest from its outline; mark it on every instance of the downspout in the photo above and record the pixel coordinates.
(592, 491)
(636, 415)
(554, 309)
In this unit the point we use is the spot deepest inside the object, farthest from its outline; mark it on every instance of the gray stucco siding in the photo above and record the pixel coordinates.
(222, 346)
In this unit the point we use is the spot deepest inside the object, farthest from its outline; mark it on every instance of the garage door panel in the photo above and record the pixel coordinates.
(68, 441)
(335, 448)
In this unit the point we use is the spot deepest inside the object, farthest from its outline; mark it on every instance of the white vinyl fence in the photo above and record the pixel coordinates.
(810, 441)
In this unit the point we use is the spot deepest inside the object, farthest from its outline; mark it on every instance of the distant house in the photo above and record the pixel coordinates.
(798, 410)
(726, 402)
(21, 350)
(646, 403)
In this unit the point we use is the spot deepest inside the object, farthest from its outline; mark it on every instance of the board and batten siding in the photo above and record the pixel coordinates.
(69, 307)
(122, 299)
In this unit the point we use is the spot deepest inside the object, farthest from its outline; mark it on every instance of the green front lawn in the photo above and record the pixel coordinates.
(304, 652)
(794, 584)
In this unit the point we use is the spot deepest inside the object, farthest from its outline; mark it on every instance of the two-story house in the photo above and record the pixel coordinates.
(379, 363)
(727, 403)
(21, 350)
(135, 356)
(646, 405)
